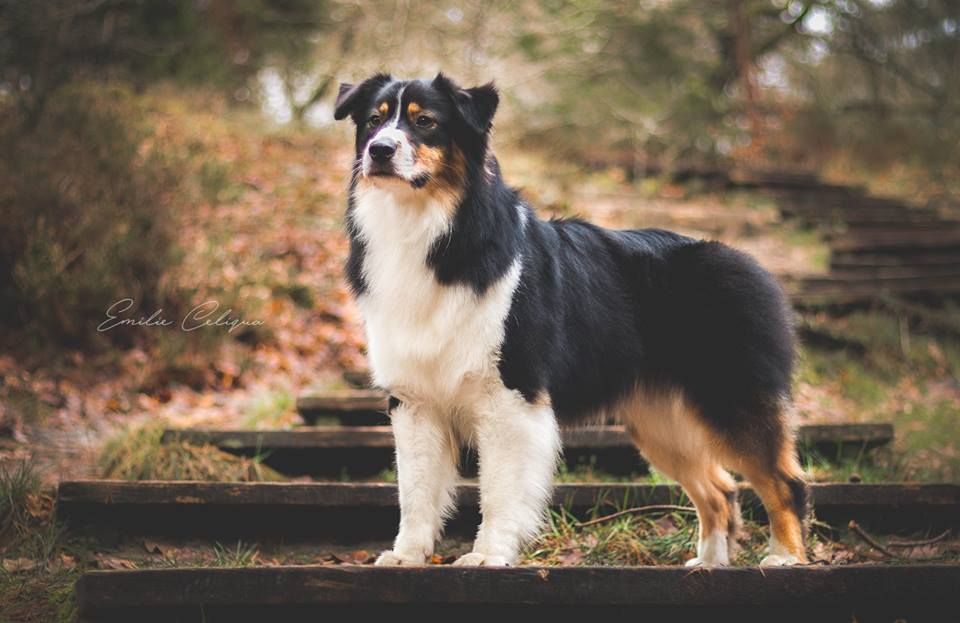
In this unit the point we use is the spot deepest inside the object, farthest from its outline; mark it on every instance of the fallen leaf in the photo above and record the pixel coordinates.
(924, 551)
(109, 562)
(14, 565)
(357, 557)
(152, 547)
(666, 525)
(821, 552)
(571, 558)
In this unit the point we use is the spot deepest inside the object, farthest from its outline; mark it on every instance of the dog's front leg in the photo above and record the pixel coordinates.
(426, 477)
(518, 444)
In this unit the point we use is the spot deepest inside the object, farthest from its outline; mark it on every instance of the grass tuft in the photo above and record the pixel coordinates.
(271, 409)
(35, 584)
(20, 499)
(140, 453)
(240, 555)
(647, 539)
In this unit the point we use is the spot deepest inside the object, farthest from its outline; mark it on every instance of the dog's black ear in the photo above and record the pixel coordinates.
(346, 98)
(352, 95)
(477, 105)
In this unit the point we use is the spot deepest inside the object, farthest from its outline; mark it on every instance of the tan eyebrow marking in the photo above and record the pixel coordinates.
(383, 108)
(413, 109)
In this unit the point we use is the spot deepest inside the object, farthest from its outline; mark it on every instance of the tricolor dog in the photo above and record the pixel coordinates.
(492, 327)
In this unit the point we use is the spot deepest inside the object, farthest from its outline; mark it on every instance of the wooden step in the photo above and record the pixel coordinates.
(894, 272)
(832, 196)
(905, 225)
(354, 512)
(800, 188)
(841, 209)
(354, 407)
(894, 238)
(366, 450)
(831, 290)
(899, 258)
(831, 214)
(775, 179)
(860, 592)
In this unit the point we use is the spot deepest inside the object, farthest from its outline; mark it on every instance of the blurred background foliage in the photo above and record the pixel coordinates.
(867, 89)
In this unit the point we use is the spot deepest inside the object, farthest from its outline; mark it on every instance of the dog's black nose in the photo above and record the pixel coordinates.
(382, 149)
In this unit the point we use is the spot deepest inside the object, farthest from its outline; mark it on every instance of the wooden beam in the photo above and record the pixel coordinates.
(368, 511)
(364, 451)
(912, 259)
(896, 238)
(366, 407)
(587, 437)
(821, 290)
(852, 592)
(874, 273)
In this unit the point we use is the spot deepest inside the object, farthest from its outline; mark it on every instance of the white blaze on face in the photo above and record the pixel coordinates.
(403, 160)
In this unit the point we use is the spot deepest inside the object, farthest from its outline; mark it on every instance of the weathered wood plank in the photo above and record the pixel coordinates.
(356, 407)
(366, 511)
(316, 437)
(363, 451)
(822, 290)
(895, 272)
(855, 214)
(348, 400)
(857, 591)
(896, 238)
(319, 495)
(917, 260)
(587, 437)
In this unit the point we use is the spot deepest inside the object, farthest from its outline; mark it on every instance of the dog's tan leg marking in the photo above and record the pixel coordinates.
(771, 480)
(674, 440)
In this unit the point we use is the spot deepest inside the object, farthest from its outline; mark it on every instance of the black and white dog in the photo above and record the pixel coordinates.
(489, 326)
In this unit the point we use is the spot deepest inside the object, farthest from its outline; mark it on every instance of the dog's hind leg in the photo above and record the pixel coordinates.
(518, 444)
(674, 440)
(767, 458)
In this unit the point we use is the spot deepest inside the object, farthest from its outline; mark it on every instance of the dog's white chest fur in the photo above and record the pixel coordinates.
(425, 339)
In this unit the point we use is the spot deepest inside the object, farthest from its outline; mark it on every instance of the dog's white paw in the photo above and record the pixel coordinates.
(392, 558)
(476, 559)
(703, 563)
(779, 560)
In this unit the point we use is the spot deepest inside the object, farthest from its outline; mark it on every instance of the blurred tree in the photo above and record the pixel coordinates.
(216, 43)
(676, 79)
(668, 83)
(88, 200)
(880, 81)
(647, 83)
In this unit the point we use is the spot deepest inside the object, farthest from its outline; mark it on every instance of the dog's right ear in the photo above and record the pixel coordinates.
(351, 96)
(476, 106)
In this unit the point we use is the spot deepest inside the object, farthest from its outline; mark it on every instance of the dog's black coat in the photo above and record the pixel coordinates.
(597, 312)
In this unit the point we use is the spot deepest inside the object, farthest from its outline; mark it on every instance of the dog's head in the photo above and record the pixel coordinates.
(424, 134)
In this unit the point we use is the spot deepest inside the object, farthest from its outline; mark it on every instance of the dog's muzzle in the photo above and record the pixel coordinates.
(381, 153)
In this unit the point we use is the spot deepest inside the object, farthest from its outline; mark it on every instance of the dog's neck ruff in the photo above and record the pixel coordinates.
(426, 339)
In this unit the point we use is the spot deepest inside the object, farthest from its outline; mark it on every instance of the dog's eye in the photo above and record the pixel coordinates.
(424, 121)
(374, 120)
